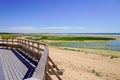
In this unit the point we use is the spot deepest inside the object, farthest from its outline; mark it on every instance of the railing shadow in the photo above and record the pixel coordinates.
(35, 56)
(23, 58)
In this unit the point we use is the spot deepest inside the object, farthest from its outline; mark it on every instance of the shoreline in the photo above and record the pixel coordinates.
(114, 53)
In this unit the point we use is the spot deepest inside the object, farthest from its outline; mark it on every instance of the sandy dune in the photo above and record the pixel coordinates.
(82, 66)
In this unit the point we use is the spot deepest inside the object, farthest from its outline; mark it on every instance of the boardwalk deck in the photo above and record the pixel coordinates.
(12, 67)
(1, 71)
(22, 59)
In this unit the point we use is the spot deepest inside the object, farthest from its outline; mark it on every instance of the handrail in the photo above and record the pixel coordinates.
(33, 49)
(40, 70)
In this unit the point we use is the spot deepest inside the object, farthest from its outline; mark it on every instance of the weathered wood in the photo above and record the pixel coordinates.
(37, 51)
(54, 72)
(53, 64)
(48, 77)
(13, 68)
(40, 70)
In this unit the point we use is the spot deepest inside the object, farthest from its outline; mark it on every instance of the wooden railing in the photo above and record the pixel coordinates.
(38, 52)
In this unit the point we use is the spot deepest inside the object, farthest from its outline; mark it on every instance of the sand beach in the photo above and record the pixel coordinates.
(85, 66)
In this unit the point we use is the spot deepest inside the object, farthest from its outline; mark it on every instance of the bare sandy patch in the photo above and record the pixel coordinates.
(82, 66)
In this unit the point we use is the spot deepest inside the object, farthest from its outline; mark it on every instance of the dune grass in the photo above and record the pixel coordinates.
(9, 36)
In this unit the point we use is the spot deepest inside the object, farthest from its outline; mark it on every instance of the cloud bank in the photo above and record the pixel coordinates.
(51, 29)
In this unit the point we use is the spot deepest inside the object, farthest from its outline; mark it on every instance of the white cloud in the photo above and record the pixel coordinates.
(63, 28)
(20, 29)
(23, 28)
(43, 29)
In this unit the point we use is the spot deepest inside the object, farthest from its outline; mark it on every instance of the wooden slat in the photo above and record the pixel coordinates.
(1, 70)
(5, 69)
(13, 68)
(19, 67)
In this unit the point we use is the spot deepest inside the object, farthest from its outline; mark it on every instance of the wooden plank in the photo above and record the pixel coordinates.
(18, 69)
(13, 69)
(21, 70)
(20, 65)
(5, 69)
(1, 70)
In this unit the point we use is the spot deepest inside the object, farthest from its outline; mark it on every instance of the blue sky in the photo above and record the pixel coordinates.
(60, 16)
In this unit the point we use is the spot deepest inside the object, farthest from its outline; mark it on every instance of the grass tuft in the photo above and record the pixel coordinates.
(96, 73)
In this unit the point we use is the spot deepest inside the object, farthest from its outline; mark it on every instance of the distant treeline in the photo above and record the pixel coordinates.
(8, 33)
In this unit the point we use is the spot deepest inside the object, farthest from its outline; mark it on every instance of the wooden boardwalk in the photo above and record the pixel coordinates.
(25, 59)
(12, 67)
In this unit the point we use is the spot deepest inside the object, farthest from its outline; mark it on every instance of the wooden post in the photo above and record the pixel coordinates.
(29, 47)
(25, 45)
(17, 43)
(46, 68)
(38, 54)
(22, 44)
(3, 42)
(7, 43)
(12, 42)
(32, 50)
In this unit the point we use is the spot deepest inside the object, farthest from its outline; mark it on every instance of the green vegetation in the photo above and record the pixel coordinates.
(114, 57)
(98, 49)
(8, 36)
(96, 73)
(71, 38)
(111, 53)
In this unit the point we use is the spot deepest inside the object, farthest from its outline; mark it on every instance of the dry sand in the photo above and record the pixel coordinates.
(82, 66)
